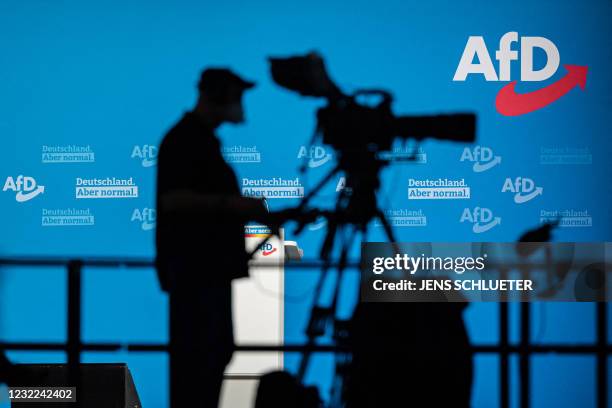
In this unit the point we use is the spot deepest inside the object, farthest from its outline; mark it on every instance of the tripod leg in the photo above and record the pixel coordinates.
(388, 230)
(341, 267)
(318, 187)
(303, 203)
(318, 315)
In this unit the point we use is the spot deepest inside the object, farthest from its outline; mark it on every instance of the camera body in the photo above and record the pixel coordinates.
(358, 131)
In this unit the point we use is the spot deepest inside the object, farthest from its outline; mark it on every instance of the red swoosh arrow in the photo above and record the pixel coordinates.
(266, 253)
(510, 103)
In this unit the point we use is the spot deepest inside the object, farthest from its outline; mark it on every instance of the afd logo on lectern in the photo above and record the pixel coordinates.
(24, 187)
(524, 189)
(508, 102)
(267, 249)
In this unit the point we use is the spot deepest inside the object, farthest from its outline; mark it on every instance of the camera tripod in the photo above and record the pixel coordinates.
(355, 208)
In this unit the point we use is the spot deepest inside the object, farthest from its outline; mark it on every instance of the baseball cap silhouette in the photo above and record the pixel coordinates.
(217, 82)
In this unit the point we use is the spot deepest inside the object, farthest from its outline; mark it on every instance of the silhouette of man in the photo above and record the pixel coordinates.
(418, 353)
(200, 239)
(6, 367)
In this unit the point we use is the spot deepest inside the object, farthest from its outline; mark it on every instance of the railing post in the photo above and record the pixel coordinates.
(602, 356)
(74, 322)
(504, 346)
(525, 356)
(504, 355)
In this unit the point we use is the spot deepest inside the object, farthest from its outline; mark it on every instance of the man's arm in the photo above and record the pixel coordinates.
(186, 201)
(244, 208)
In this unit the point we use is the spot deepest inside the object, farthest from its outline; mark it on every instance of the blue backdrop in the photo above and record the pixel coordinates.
(111, 78)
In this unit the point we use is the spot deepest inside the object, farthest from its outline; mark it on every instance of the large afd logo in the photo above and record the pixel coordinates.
(524, 189)
(25, 187)
(508, 102)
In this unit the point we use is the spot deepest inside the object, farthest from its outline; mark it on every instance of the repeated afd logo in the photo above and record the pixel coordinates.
(146, 217)
(482, 158)
(25, 187)
(524, 189)
(316, 155)
(508, 101)
(147, 154)
(481, 218)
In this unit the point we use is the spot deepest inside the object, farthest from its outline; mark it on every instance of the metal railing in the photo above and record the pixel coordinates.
(74, 344)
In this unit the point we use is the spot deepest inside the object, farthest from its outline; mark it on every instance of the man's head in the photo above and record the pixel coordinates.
(221, 95)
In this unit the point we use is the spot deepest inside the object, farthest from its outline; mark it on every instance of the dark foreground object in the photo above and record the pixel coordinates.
(98, 385)
(409, 354)
(280, 389)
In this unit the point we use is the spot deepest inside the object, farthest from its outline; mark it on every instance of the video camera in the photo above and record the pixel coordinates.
(359, 132)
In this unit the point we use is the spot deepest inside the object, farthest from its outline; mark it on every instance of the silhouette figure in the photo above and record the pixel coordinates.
(279, 389)
(200, 239)
(6, 368)
(413, 352)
